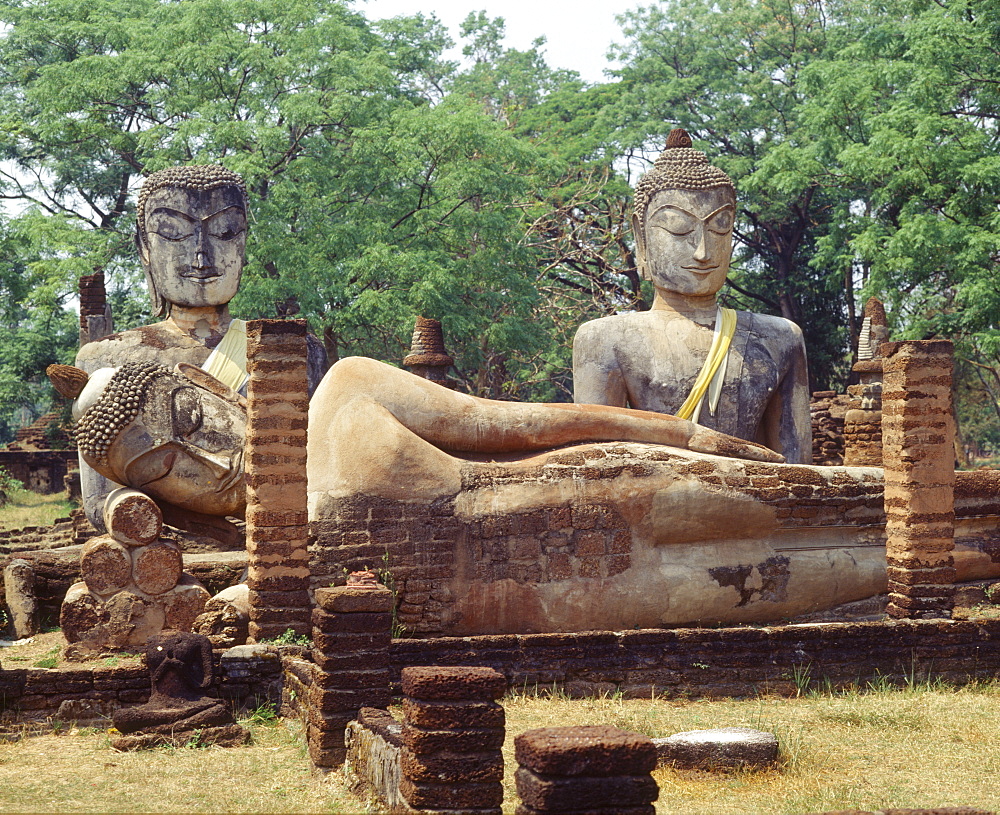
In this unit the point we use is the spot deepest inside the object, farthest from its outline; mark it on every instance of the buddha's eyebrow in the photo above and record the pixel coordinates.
(175, 213)
(660, 209)
(712, 214)
(220, 211)
(716, 212)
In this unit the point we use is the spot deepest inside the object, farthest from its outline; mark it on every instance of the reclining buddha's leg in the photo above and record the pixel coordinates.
(460, 423)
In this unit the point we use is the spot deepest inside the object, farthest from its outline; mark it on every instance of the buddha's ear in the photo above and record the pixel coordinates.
(204, 380)
(640, 245)
(158, 303)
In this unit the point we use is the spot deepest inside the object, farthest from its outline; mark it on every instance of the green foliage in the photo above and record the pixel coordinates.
(369, 203)
(9, 484)
(386, 181)
(264, 715)
(289, 637)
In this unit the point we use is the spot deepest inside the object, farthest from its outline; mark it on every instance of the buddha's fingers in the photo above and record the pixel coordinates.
(704, 440)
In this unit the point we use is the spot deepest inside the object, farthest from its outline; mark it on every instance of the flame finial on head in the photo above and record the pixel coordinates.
(66, 379)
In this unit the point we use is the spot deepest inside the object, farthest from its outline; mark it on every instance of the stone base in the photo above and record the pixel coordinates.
(129, 618)
(229, 735)
(727, 748)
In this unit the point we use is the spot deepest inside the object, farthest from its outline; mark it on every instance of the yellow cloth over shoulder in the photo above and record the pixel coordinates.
(228, 362)
(725, 329)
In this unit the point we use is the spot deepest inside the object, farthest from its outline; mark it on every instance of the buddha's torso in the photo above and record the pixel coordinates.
(650, 361)
(161, 343)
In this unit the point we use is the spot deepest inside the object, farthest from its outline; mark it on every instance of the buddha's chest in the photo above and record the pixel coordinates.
(662, 380)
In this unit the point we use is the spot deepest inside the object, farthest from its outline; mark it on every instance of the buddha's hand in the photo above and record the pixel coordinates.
(704, 440)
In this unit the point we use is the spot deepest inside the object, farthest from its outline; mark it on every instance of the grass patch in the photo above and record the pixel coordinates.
(923, 745)
(48, 647)
(27, 508)
(79, 772)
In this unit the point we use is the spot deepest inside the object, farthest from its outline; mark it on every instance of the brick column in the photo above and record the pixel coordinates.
(452, 736)
(277, 531)
(351, 636)
(918, 439)
(95, 313)
(585, 769)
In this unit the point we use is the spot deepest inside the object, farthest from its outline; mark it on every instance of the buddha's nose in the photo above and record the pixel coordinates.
(203, 258)
(701, 253)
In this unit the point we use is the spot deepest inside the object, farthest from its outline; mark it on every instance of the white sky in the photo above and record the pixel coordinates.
(578, 32)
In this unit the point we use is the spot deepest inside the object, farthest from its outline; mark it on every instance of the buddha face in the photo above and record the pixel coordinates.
(686, 240)
(194, 245)
(185, 447)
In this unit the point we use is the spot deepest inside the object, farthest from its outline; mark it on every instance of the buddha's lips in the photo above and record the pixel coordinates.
(199, 274)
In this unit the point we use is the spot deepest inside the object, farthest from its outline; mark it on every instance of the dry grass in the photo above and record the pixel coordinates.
(79, 772)
(48, 648)
(889, 748)
(27, 508)
(886, 748)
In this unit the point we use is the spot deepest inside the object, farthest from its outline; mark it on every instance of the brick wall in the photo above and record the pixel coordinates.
(246, 676)
(276, 531)
(39, 471)
(721, 662)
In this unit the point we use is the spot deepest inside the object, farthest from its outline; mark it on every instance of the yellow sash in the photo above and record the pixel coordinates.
(725, 328)
(228, 362)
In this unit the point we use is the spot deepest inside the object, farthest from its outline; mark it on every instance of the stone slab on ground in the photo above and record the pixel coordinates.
(726, 748)
(229, 735)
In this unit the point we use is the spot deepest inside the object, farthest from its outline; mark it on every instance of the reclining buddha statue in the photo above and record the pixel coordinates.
(494, 516)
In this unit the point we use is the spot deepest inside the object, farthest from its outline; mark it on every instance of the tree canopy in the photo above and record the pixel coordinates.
(387, 181)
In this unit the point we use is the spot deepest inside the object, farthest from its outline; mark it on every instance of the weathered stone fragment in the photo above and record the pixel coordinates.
(19, 596)
(725, 748)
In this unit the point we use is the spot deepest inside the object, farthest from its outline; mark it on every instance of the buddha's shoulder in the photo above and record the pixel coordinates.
(770, 327)
(616, 325)
(157, 343)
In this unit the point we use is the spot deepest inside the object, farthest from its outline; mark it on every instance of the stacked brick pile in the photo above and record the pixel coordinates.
(95, 313)
(585, 769)
(452, 736)
(863, 422)
(43, 434)
(918, 432)
(351, 636)
(427, 357)
(826, 411)
(276, 530)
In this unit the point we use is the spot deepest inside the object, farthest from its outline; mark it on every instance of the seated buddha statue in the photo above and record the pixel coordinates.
(191, 229)
(741, 373)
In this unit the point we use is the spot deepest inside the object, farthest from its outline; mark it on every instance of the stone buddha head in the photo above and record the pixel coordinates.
(683, 221)
(166, 434)
(191, 226)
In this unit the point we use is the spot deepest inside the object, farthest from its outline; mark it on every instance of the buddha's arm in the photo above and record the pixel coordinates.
(786, 425)
(459, 423)
(597, 377)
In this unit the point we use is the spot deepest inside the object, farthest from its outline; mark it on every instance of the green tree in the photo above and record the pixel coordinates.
(731, 73)
(372, 199)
